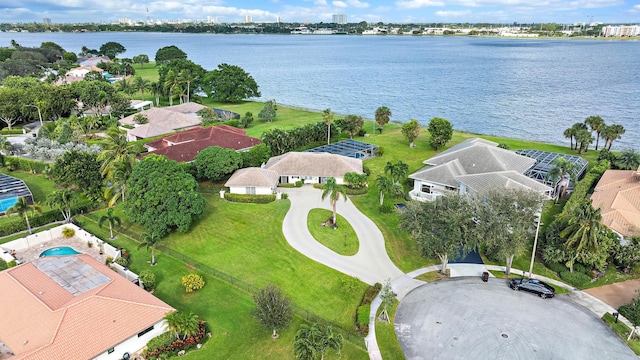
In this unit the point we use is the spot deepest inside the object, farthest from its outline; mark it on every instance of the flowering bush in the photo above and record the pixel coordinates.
(157, 347)
(192, 282)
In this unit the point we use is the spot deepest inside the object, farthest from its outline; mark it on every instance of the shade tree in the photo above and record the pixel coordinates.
(141, 59)
(441, 131)
(269, 111)
(216, 163)
(410, 131)
(166, 54)
(351, 124)
(112, 49)
(273, 309)
(230, 83)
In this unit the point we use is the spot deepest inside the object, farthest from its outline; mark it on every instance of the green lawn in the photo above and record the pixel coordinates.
(623, 331)
(227, 309)
(386, 335)
(343, 240)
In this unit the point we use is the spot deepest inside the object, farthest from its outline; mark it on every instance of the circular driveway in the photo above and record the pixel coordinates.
(464, 318)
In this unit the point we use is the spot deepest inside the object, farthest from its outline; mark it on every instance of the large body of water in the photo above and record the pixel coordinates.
(521, 88)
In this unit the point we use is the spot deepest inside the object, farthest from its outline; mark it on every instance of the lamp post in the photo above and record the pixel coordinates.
(39, 113)
(535, 244)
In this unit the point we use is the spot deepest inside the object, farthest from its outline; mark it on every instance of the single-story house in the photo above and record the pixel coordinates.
(185, 145)
(474, 166)
(617, 194)
(74, 307)
(254, 181)
(141, 105)
(313, 167)
(161, 121)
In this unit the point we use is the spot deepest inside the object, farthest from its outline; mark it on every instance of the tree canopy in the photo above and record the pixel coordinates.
(411, 130)
(112, 49)
(162, 196)
(216, 163)
(168, 53)
(441, 131)
(269, 111)
(273, 309)
(230, 83)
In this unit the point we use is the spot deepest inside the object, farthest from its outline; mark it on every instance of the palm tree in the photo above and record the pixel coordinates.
(119, 173)
(116, 147)
(187, 76)
(596, 124)
(149, 241)
(334, 192)
(569, 133)
(113, 220)
(629, 159)
(170, 82)
(585, 138)
(397, 171)
(560, 168)
(385, 186)
(315, 339)
(141, 84)
(327, 118)
(382, 116)
(157, 89)
(63, 200)
(173, 323)
(185, 324)
(584, 229)
(22, 208)
(616, 132)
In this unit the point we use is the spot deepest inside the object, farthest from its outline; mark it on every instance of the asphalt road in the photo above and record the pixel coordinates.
(464, 318)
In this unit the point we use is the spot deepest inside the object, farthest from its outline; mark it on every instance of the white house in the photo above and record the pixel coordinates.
(313, 168)
(473, 166)
(254, 181)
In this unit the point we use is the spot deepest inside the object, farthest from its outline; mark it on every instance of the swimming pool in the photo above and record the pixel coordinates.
(59, 251)
(7, 203)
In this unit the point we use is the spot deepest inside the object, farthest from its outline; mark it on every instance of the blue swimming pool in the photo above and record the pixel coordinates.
(7, 203)
(59, 251)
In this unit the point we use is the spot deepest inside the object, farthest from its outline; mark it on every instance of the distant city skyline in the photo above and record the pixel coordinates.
(315, 11)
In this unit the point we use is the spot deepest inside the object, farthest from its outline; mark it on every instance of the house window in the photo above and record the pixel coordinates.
(111, 350)
(426, 189)
(250, 190)
(145, 331)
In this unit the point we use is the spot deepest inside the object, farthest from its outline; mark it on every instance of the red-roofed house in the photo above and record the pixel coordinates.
(74, 307)
(185, 145)
(618, 196)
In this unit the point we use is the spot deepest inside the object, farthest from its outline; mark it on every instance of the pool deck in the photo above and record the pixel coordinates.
(74, 242)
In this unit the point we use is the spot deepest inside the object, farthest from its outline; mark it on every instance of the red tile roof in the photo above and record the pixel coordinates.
(39, 319)
(185, 145)
(618, 196)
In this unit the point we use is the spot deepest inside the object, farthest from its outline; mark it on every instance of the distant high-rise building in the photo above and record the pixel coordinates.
(248, 19)
(46, 21)
(278, 19)
(212, 20)
(339, 19)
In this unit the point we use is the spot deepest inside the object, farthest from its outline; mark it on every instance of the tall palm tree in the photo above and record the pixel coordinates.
(157, 89)
(116, 147)
(584, 138)
(22, 208)
(62, 199)
(382, 116)
(570, 133)
(170, 82)
(327, 118)
(584, 229)
(334, 191)
(616, 131)
(149, 241)
(397, 171)
(111, 219)
(141, 84)
(187, 76)
(596, 124)
(385, 186)
(560, 169)
(117, 176)
(629, 159)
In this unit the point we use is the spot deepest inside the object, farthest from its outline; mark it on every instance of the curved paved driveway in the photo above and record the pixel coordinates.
(371, 264)
(464, 318)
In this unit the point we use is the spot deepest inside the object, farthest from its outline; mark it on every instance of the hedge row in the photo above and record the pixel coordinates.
(254, 199)
(6, 131)
(33, 166)
(362, 321)
(19, 224)
(584, 186)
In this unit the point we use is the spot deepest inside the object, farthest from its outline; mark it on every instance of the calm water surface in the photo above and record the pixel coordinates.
(520, 88)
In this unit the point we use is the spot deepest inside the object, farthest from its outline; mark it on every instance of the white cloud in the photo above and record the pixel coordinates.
(416, 4)
(358, 4)
(320, 2)
(454, 14)
(340, 4)
(635, 9)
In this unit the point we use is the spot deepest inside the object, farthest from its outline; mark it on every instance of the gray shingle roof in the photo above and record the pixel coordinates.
(314, 164)
(444, 174)
(253, 176)
(482, 183)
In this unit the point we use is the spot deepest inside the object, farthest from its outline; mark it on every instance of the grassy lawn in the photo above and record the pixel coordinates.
(623, 331)
(149, 72)
(432, 276)
(343, 240)
(230, 231)
(386, 336)
(227, 309)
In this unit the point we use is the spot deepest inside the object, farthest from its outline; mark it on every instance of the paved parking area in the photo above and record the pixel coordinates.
(464, 318)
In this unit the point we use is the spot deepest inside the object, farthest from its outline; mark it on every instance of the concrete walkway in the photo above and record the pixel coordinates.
(371, 264)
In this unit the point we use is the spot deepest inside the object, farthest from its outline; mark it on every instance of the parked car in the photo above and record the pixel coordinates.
(534, 286)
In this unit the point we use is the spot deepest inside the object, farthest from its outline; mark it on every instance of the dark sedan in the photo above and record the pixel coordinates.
(533, 286)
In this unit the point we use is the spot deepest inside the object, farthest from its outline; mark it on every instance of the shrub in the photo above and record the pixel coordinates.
(12, 263)
(254, 199)
(580, 268)
(108, 260)
(363, 314)
(366, 170)
(68, 232)
(386, 208)
(122, 261)
(299, 183)
(362, 132)
(3, 264)
(163, 345)
(371, 293)
(557, 267)
(286, 185)
(380, 151)
(192, 282)
(148, 279)
(575, 278)
(32, 166)
(285, 196)
(503, 146)
(350, 284)
(235, 123)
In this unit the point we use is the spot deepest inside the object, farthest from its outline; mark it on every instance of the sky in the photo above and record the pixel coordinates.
(313, 11)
